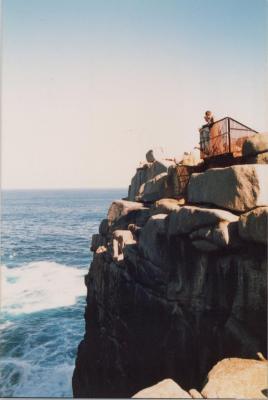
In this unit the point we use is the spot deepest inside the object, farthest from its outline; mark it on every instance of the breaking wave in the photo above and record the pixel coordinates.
(40, 286)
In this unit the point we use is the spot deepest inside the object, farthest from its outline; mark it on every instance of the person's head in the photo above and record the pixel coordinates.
(208, 116)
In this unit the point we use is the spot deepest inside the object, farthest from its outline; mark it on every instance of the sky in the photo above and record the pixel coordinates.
(89, 86)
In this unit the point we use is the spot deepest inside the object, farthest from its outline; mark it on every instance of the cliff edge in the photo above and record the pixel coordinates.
(177, 283)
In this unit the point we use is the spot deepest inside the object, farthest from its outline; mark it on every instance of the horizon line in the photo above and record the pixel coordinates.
(67, 188)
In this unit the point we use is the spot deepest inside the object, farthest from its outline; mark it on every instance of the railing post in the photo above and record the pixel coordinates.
(229, 135)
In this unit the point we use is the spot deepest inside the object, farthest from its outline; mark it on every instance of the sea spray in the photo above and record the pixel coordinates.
(40, 286)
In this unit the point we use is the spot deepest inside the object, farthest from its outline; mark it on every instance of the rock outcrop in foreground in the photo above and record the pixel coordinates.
(231, 378)
(176, 286)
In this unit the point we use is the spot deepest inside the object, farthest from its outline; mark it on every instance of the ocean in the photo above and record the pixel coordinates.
(45, 254)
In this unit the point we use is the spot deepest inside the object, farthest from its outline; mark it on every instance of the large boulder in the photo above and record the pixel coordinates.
(255, 144)
(166, 206)
(253, 226)
(166, 389)
(239, 188)
(190, 218)
(154, 189)
(220, 236)
(138, 217)
(237, 378)
(121, 208)
(146, 173)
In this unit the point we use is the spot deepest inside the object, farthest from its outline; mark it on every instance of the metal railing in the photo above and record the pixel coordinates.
(224, 136)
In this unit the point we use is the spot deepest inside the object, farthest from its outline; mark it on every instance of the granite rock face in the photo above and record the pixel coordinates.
(121, 208)
(238, 188)
(255, 145)
(152, 173)
(177, 289)
(236, 378)
(166, 206)
(164, 389)
(253, 226)
(166, 305)
(153, 189)
(232, 378)
(189, 218)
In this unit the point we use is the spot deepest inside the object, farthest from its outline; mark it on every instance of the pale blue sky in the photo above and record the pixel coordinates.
(89, 86)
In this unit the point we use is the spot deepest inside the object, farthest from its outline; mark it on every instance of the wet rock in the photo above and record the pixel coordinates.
(237, 378)
(166, 389)
(253, 226)
(239, 188)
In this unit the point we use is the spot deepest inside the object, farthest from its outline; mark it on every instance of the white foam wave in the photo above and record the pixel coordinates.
(40, 286)
(5, 325)
(23, 379)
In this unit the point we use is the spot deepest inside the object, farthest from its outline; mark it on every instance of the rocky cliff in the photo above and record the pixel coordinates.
(176, 284)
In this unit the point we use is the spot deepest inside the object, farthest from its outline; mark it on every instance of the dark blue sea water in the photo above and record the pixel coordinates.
(45, 255)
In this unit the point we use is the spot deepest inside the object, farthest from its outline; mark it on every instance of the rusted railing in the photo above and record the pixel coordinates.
(224, 136)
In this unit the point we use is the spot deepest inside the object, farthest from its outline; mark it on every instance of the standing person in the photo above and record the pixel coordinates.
(205, 133)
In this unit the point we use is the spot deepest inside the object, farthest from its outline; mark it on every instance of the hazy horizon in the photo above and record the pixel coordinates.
(63, 188)
(89, 86)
